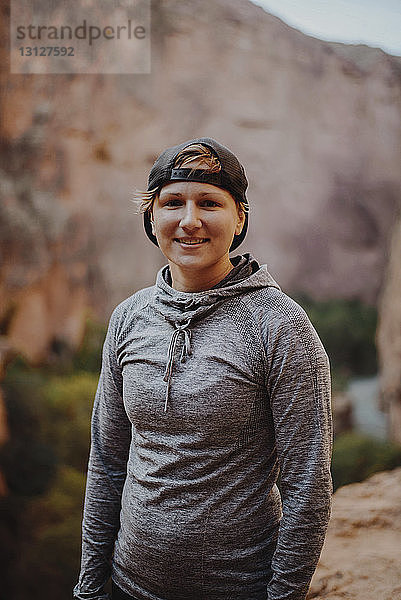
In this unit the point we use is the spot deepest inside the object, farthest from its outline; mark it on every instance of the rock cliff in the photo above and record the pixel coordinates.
(360, 558)
(389, 337)
(316, 124)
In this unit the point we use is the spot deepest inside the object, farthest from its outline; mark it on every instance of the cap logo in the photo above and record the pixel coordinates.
(200, 175)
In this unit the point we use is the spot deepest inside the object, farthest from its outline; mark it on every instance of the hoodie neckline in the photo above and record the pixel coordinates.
(242, 267)
(182, 309)
(179, 306)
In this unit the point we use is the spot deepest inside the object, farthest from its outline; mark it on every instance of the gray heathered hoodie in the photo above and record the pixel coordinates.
(202, 400)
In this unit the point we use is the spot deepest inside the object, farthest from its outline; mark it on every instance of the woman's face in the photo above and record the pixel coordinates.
(194, 224)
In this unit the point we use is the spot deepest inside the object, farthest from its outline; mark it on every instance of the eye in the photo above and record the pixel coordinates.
(209, 203)
(173, 202)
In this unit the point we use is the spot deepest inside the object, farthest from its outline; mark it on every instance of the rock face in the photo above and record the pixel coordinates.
(389, 338)
(361, 557)
(317, 126)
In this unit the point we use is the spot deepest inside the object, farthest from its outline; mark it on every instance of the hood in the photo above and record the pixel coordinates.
(182, 309)
(179, 307)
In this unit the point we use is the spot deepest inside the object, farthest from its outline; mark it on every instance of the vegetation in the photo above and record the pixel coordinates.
(347, 329)
(356, 456)
(44, 464)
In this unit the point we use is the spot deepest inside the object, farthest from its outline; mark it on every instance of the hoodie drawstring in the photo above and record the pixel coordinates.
(186, 351)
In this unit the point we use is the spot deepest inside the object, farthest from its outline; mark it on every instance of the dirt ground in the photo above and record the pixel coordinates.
(361, 558)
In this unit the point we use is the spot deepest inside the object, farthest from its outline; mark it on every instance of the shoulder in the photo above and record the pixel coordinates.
(271, 306)
(125, 311)
(283, 323)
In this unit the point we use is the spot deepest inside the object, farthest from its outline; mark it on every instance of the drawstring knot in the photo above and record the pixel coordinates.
(186, 351)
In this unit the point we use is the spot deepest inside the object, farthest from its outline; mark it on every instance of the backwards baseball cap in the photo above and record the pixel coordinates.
(231, 177)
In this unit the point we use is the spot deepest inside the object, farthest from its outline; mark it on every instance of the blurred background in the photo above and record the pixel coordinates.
(316, 124)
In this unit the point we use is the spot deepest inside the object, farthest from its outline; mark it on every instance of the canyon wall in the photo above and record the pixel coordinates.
(389, 337)
(317, 126)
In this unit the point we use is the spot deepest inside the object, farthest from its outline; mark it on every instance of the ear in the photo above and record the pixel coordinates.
(150, 209)
(152, 222)
(241, 221)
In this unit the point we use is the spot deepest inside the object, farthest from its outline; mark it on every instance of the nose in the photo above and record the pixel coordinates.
(190, 220)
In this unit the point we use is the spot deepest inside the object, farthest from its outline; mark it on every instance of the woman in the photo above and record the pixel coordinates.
(213, 383)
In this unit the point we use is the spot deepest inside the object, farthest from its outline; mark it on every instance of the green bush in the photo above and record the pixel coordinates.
(68, 401)
(44, 464)
(347, 329)
(356, 456)
(28, 466)
(49, 421)
(27, 460)
(89, 356)
(48, 560)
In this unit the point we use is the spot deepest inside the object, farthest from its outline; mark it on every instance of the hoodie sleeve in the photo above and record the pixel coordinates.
(110, 441)
(299, 388)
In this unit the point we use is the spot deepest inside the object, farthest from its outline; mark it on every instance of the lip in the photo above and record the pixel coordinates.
(196, 245)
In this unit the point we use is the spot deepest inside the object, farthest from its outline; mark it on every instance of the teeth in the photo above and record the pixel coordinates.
(196, 241)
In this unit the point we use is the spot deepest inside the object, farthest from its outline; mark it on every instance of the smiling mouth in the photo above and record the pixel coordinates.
(191, 241)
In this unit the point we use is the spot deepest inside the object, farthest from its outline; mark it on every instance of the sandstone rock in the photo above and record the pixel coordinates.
(389, 337)
(317, 125)
(361, 557)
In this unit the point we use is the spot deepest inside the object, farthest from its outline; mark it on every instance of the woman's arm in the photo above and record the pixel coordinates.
(110, 441)
(299, 388)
